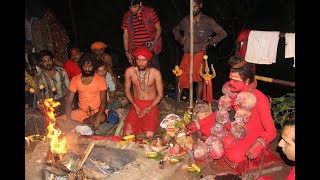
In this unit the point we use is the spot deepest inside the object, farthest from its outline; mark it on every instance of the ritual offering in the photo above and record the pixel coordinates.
(169, 120)
(173, 160)
(158, 145)
(154, 155)
(151, 154)
(171, 130)
(193, 168)
(128, 137)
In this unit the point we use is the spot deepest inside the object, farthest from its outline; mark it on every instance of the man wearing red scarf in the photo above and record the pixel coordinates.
(147, 92)
(249, 140)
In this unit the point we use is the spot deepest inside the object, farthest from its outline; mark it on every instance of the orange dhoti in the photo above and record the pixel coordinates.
(185, 67)
(147, 123)
(79, 115)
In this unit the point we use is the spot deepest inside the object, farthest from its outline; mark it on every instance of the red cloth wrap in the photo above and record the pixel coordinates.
(72, 68)
(292, 173)
(260, 125)
(143, 51)
(185, 67)
(207, 91)
(147, 123)
(243, 38)
(207, 123)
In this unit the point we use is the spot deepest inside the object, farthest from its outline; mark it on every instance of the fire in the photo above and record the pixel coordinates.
(57, 143)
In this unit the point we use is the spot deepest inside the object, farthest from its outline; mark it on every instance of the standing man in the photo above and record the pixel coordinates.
(141, 27)
(52, 81)
(147, 88)
(204, 26)
(288, 144)
(92, 89)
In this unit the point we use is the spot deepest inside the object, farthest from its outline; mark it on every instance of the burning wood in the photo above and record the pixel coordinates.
(57, 142)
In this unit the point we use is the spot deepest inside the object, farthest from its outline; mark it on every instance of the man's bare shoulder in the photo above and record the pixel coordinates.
(130, 69)
(155, 71)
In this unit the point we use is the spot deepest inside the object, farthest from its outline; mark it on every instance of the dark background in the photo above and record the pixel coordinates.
(87, 21)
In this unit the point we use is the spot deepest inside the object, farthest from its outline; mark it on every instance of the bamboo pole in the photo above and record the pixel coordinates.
(191, 55)
(275, 81)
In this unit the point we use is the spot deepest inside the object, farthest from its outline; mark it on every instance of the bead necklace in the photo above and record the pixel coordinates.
(142, 77)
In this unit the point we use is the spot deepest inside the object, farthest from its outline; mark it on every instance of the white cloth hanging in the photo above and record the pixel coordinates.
(262, 47)
(290, 46)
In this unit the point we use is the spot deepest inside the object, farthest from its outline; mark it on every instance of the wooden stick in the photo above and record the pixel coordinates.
(84, 156)
(191, 57)
(275, 81)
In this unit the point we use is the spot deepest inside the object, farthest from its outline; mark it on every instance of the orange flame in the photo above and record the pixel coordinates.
(57, 143)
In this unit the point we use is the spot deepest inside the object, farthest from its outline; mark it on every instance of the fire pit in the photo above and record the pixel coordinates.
(101, 163)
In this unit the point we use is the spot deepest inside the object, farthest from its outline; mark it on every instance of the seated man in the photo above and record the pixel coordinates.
(147, 89)
(99, 49)
(71, 65)
(52, 81)
(253, 128)
(112, 100)
(92, 89)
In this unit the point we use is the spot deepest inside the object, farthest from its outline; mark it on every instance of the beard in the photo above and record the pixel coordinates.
(48, 67)
(142, 68)
(195, 13)
(87, 73)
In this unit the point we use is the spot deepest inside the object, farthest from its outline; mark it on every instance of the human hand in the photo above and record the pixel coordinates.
(255, 149)
(137, 108)
(130, 58)
(96, 122)
(144, 112)
(191, 128)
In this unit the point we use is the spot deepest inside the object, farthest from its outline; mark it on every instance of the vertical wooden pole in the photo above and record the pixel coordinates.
(191, 54)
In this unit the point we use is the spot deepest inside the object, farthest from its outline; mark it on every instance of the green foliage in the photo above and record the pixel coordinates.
(282, 108)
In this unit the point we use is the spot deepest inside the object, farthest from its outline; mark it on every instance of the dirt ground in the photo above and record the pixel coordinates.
(34, 124)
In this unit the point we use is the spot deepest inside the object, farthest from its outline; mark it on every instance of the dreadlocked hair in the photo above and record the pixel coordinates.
(88, 58)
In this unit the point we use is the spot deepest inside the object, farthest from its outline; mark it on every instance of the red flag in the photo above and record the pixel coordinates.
(207, 91)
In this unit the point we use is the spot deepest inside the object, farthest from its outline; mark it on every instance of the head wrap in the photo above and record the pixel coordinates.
(143, 51)
(98, 45)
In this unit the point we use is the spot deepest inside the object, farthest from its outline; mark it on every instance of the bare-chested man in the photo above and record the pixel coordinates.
(146, 83)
